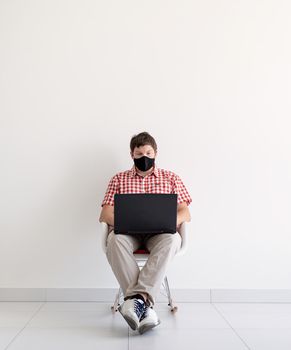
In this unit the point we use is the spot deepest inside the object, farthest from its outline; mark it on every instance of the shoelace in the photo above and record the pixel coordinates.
(138, 308)
(145, 313)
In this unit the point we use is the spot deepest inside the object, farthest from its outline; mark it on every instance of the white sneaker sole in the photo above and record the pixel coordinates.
(132, 324)
(147, 326)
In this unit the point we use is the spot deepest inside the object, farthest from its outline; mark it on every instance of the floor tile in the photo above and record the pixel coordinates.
(17, 314)
(7, 334)
(71, 338)
(186, 339)
(71, 315)
(19, 306)
(250, 315)
(266, 339)
(76, 306)
(190, 316)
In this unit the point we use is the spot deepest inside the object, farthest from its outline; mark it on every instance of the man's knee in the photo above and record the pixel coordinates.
(172, 240)
(115, 241)
(176, 240)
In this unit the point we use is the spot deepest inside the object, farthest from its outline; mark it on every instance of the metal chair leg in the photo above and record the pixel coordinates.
(119, 294)
(174, 308)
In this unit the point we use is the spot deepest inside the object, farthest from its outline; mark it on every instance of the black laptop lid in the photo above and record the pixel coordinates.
(145, 213)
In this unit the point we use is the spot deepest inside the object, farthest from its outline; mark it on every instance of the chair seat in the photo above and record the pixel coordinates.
(141, 251)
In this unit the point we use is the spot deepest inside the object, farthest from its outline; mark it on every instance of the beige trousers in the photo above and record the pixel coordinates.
(131, 279)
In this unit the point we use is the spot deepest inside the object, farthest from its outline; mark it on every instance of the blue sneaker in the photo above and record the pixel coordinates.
(132, 310)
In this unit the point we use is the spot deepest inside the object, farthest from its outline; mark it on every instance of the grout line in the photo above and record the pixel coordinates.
(235, 332)
(26, 324)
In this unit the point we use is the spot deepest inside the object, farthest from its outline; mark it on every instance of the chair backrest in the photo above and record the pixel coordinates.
(182, 230)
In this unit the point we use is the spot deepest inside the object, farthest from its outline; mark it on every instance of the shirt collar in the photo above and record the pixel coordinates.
(133, 171)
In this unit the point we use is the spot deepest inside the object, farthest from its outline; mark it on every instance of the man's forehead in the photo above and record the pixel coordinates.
(144, 148)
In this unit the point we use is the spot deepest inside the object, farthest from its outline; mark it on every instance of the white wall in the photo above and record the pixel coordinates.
(210, 80)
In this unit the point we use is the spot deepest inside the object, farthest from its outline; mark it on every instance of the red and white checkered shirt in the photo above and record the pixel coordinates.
(158, 181)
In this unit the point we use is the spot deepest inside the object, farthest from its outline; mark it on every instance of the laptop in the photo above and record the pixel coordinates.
(136, 213)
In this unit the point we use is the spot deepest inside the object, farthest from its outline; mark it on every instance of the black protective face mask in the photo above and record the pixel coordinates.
(144, 163)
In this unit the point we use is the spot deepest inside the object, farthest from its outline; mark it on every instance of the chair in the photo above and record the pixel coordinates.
(141, 258)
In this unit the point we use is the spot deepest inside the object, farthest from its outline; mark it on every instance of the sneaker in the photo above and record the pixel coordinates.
(148, 320)
(132, 310)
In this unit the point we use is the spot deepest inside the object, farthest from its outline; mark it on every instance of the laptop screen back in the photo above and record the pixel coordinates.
(145, 213)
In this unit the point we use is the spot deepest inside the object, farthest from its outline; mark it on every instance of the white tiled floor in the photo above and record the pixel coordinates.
(199, 326)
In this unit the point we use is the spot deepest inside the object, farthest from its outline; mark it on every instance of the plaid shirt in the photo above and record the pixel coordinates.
(158, 181)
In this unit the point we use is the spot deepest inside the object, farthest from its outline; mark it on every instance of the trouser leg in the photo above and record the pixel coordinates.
(120, 256)
(162, 249)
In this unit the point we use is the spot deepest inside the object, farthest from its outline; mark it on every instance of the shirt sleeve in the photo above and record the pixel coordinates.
(180, 189)
(113, 187)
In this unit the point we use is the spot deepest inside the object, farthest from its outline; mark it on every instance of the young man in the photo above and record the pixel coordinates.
(141, 287)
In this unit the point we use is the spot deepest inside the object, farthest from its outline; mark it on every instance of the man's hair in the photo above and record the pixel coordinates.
(142, 139)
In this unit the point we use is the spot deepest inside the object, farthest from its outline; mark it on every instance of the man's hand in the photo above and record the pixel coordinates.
(107, 214)
(183, 214)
